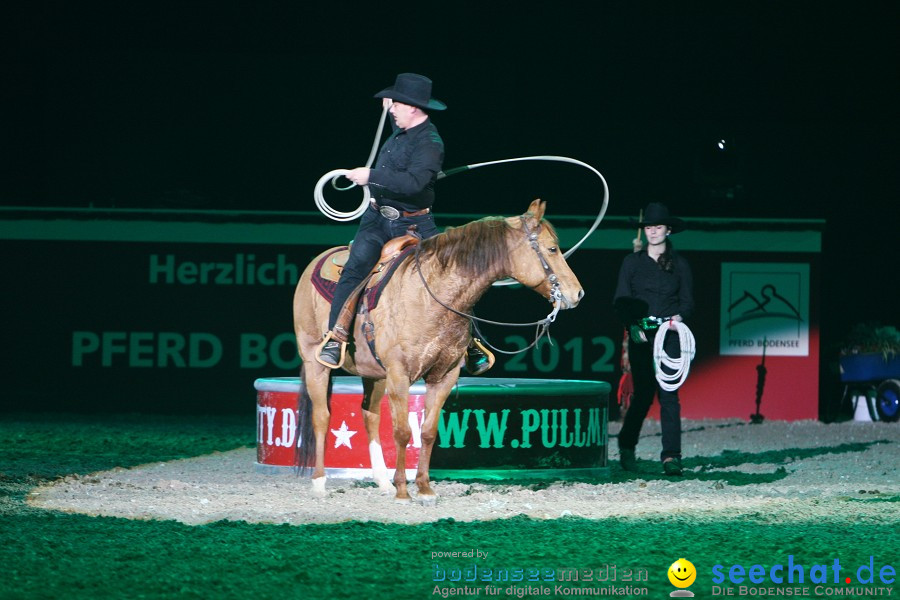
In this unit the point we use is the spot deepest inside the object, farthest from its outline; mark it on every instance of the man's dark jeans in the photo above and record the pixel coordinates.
(373, 233)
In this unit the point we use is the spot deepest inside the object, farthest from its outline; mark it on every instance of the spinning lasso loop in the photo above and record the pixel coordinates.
(600, 214)
(336, 215)
(543, 326)
(680, 366)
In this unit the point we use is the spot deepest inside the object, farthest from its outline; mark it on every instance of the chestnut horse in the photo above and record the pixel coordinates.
(418, 337)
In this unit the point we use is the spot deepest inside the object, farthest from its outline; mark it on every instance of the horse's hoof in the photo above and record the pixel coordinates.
(386, 487)
(318, 487)
(400, 500)
(428, 499)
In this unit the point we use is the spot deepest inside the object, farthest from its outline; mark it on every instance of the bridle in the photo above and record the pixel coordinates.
(543, 326)
(555, 293)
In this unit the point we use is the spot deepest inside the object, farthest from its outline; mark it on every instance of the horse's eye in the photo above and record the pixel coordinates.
(552, 250)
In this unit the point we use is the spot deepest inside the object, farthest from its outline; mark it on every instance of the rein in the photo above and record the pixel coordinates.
(543, 326)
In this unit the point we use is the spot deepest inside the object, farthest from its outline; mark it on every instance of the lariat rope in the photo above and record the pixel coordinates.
(336, 215)
(543, 326)
(680, 366)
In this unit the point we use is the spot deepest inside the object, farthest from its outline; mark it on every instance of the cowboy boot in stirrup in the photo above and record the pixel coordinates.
(478, 358)
(333, 349)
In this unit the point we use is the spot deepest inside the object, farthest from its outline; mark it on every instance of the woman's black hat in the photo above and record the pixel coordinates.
(658, 214)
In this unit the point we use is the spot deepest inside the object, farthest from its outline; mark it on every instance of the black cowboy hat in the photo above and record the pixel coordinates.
(412, 89)
(658, 214)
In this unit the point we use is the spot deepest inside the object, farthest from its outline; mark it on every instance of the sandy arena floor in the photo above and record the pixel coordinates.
(847, 483)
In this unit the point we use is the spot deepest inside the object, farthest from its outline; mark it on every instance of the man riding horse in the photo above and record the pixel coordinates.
(401, 184)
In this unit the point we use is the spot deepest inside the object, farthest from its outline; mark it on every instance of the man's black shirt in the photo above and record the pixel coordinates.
(404, 173)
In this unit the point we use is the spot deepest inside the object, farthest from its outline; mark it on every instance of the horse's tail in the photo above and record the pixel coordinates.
(305, 450)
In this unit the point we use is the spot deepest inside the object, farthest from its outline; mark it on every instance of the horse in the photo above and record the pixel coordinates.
(421, 331)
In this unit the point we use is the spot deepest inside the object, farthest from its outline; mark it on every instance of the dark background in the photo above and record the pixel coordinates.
(243, 105)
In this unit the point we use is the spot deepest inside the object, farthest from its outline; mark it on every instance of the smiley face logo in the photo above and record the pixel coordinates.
(682, 573)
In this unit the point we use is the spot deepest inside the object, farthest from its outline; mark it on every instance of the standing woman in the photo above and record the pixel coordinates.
(655, 282)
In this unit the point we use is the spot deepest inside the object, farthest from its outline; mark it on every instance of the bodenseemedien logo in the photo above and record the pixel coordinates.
(682, 575)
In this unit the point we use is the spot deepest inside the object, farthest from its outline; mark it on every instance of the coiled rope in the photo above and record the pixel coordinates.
(678, 367)
(332, 176)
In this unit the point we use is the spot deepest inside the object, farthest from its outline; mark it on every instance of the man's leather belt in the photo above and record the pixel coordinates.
(392, 214)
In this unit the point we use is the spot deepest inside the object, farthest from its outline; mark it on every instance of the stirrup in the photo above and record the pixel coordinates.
(329, 337)
(482, 366)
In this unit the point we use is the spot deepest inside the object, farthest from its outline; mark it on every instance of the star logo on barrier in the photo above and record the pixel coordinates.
(342, 436)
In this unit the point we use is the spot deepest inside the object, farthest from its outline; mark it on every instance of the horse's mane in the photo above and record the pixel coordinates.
(475, 248)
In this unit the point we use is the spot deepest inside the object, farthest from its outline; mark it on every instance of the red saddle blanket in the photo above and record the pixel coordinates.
(328, 270)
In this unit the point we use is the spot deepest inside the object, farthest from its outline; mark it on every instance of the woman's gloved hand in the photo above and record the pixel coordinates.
(637, 334)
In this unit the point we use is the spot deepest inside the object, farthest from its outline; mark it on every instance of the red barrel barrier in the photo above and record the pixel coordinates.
(489, 428)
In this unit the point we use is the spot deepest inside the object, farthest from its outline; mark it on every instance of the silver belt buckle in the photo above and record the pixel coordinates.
(389, 212)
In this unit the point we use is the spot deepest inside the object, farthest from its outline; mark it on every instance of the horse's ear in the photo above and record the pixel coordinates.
(536, 209)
